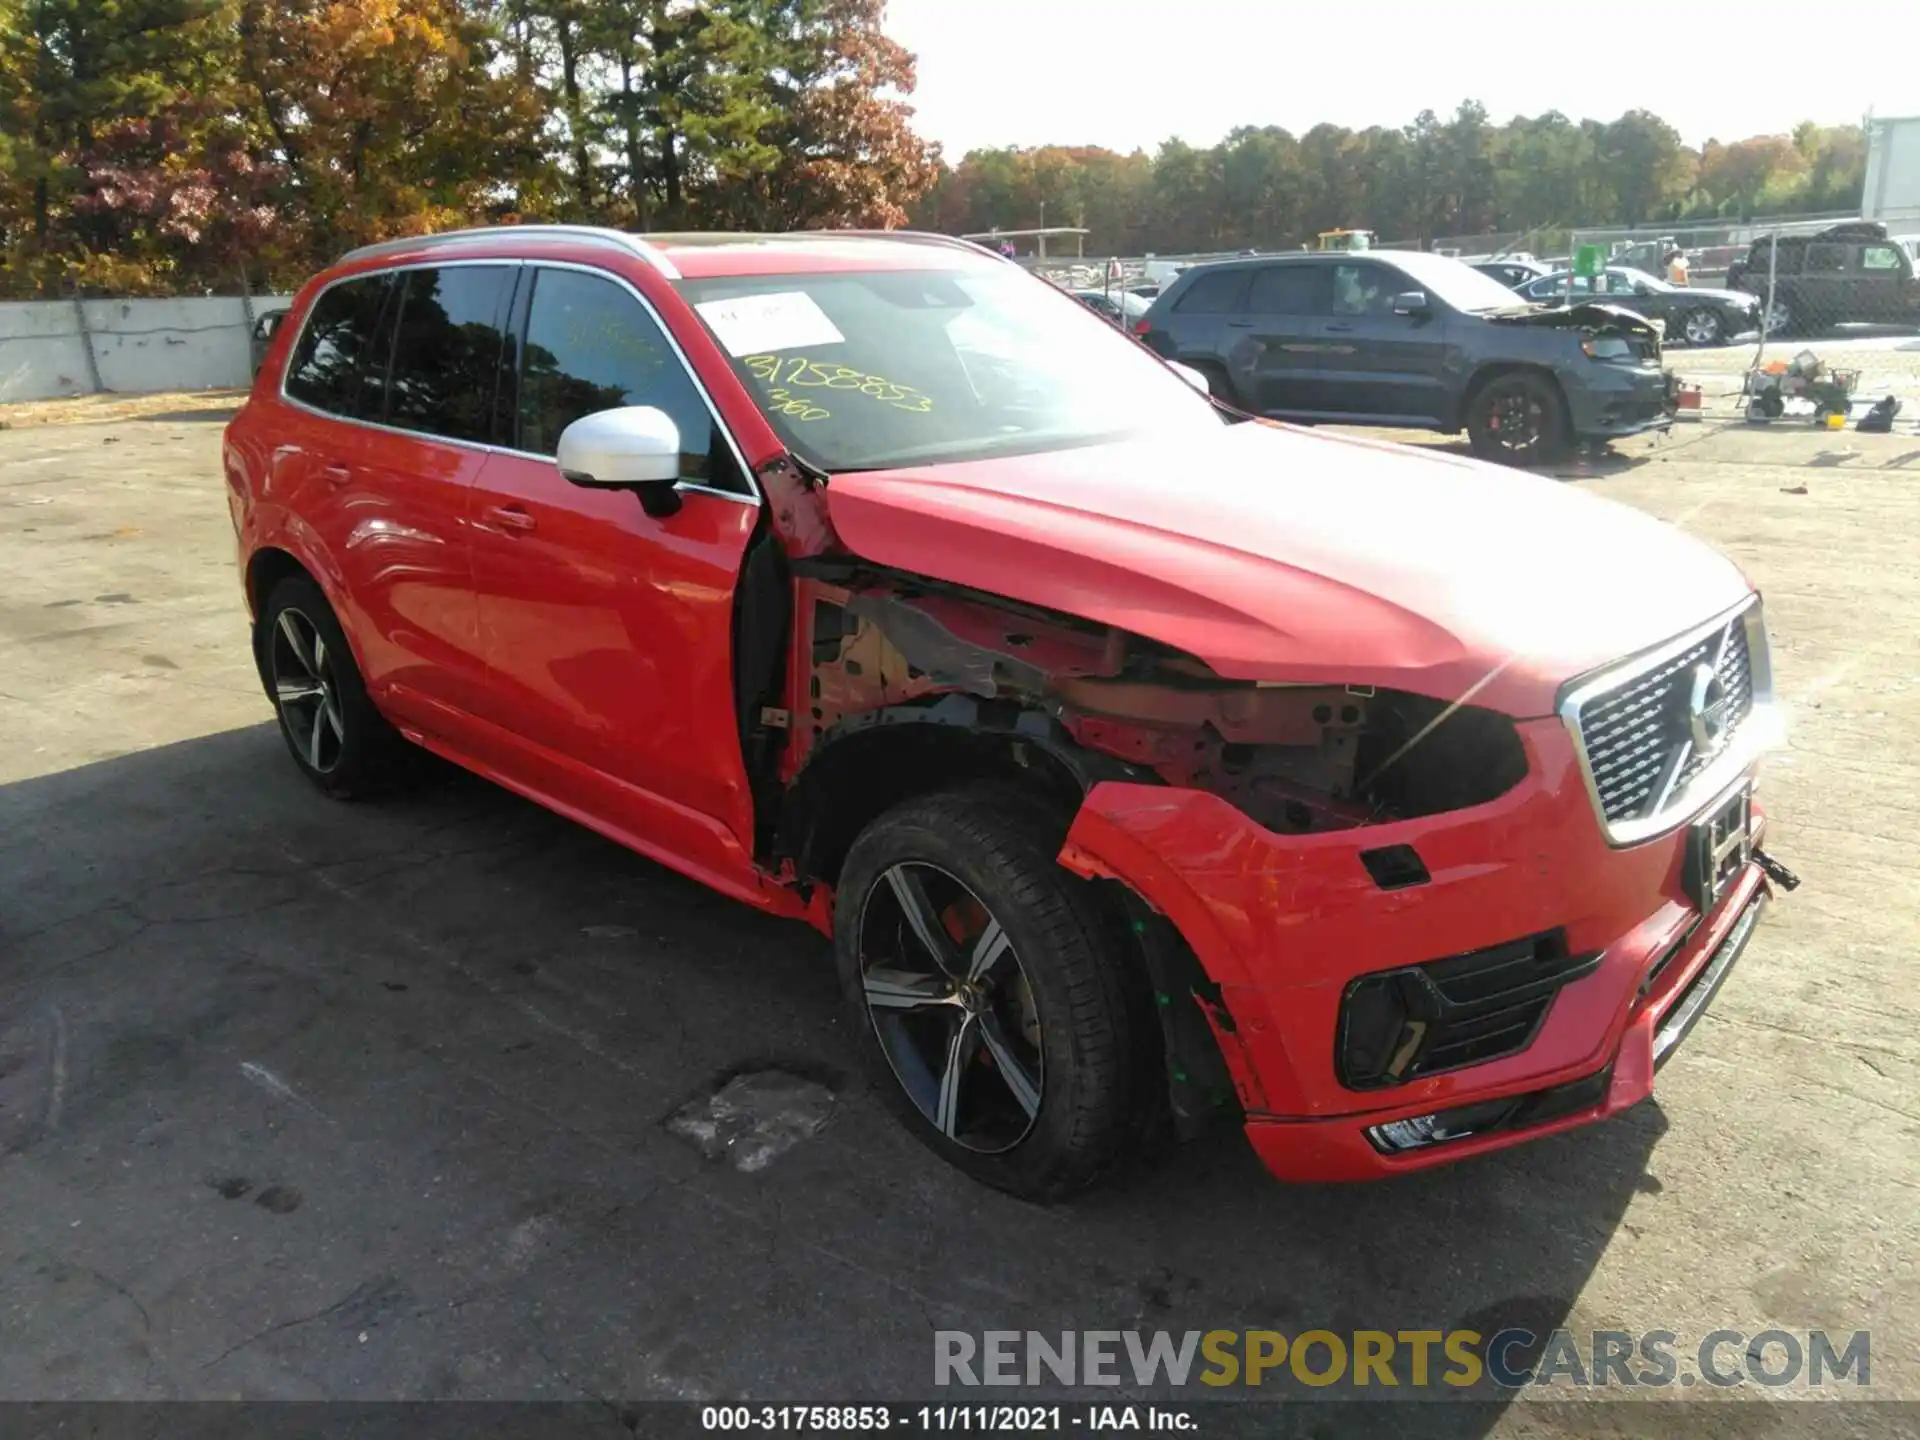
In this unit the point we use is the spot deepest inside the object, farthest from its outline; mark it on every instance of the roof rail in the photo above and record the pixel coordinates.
(632, 244)
(916, 237)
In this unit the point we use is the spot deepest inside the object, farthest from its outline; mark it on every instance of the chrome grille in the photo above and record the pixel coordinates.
(1635, 729)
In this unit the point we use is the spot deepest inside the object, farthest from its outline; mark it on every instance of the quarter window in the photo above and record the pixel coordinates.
(1879, 257)
(446, 356)
(337, 366)
(590, 347)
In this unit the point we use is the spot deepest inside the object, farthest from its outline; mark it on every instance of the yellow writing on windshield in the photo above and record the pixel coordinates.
(801, 372)
(794, 407)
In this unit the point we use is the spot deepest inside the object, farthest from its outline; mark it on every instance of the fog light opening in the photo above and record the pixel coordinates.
(1384, 1022)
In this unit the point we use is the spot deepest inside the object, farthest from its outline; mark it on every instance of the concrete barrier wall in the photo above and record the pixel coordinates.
(139, 345)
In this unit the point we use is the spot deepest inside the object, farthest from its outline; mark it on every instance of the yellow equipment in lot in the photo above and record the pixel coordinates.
(1345, 240)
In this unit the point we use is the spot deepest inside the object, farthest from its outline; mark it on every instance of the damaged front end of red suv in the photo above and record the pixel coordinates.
(1388, 928)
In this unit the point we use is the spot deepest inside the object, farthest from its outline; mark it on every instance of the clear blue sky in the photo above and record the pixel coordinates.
(1126, 75)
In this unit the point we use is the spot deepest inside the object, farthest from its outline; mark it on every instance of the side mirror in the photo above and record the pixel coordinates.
(635, 447)
(1412, 302)
(1192, 376)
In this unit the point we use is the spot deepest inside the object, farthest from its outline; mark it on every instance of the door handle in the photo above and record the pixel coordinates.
(1239, 324)
(512, 519)
(1339, 329)
(338, 474)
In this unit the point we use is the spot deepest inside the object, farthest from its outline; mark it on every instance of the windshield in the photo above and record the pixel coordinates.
(1456, 283)
(866, 371)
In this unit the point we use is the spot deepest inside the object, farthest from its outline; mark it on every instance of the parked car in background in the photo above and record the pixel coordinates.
(1402, 338)
(1852, 273)
(1143, 765)
(1512, 273)
(1689, 313)
(1122, 307)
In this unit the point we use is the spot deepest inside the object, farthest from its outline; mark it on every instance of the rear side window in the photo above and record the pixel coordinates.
(591, 346)
(1289, 290)
(1223, 292)
(1879, 257)
(446, 354)
(337, 365)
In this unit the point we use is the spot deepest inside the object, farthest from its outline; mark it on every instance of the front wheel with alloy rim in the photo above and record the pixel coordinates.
(989, 992)
(1702, 327)
(1779, 319)
(1518, 419)
(336, 737)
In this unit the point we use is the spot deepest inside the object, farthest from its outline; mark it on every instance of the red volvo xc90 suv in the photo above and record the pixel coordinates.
(1142, 761)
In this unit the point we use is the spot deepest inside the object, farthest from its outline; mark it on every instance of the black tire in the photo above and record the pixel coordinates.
(975, 857)
(1518, 419)
(320, 693)
(1703, 327)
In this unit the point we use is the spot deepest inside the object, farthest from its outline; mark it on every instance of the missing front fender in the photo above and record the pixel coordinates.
(1191, 1017)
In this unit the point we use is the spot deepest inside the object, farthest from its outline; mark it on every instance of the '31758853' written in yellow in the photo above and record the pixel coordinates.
(783, 374)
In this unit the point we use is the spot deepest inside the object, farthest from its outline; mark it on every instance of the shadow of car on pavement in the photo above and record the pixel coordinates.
(449, 1026)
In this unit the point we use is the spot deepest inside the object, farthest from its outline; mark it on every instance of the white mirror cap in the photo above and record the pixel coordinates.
(1192, 376)
(634, 445)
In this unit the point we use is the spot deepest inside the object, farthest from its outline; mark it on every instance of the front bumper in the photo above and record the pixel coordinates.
(1610, 401)
(1281, 924)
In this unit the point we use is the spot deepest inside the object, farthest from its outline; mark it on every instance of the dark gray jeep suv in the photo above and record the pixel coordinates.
(1401, 338)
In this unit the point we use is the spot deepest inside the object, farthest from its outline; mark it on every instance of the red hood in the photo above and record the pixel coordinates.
(1276, 554)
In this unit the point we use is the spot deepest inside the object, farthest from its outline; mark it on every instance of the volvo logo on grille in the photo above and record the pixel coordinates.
(1707, 707)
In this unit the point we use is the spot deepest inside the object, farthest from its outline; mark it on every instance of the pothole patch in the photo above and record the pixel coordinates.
(754, 1117)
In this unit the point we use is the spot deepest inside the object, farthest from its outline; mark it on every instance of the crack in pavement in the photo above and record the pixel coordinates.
(365, 1289)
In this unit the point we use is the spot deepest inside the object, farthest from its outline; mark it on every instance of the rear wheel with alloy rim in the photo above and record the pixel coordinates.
(335, 735)
(989, 992)
(303, 688)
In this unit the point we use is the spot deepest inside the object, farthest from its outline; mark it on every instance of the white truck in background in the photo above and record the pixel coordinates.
(1892, 192)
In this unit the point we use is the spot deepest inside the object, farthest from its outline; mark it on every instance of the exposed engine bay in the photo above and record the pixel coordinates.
(1594, 315)
(1296, 759)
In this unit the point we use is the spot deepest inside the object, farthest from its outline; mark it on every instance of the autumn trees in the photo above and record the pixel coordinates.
(153, 145)
(1454, 176)
(162, 145)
